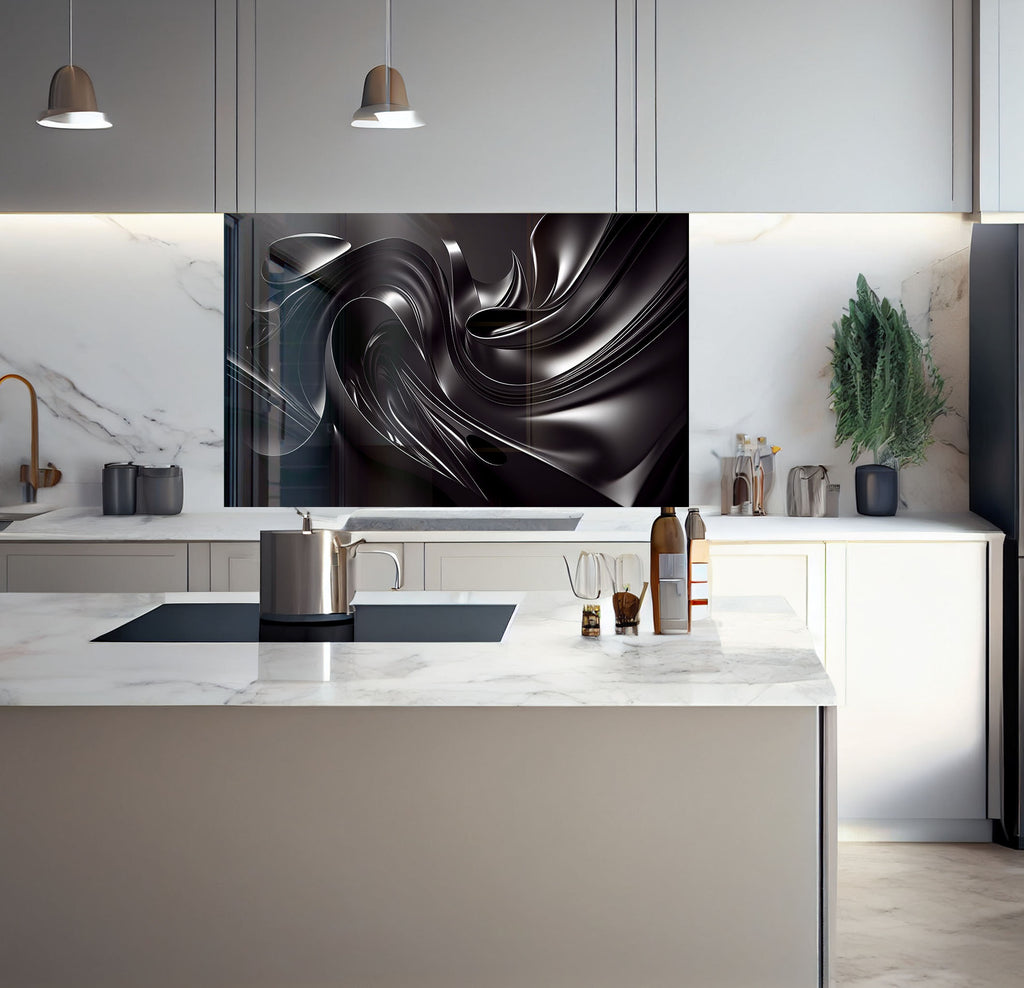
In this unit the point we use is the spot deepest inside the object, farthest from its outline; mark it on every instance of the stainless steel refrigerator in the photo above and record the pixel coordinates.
(996, 417)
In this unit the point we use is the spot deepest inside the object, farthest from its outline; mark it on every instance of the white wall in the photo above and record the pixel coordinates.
(118, 322)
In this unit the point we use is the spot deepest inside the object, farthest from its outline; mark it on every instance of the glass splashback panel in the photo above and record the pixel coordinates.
(465, 360)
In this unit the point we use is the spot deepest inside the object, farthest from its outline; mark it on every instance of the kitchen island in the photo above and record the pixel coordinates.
(544, 810)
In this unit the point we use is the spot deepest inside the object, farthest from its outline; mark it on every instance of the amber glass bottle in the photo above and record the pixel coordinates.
(668, 573)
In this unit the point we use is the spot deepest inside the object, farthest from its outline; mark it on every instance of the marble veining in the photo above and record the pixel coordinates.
(765, 290)
(753, 655)
(936, 301)
(119, 325)
(949, 915)
(121, 317)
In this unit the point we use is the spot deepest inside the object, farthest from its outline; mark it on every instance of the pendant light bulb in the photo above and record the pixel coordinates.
(72, 102)
(385, 102)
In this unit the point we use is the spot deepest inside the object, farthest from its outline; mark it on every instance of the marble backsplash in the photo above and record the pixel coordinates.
(118, 322)
(764, 292)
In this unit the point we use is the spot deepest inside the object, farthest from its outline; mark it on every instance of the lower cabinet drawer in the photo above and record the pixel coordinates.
(513, 565)
(95, 568)
(235, 566)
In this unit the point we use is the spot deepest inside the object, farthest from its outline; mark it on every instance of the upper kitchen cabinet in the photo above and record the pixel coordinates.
(799, 105)
(153, 69)
(999, 106)
(519, 102)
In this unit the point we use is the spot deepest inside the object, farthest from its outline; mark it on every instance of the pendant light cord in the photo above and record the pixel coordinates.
(71, 32)
(387, 52)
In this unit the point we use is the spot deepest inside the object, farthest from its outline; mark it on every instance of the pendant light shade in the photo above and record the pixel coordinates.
(72, 103)
(385, 103)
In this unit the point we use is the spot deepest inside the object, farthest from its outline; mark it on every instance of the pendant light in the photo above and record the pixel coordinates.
(385, 103)
(72, 104)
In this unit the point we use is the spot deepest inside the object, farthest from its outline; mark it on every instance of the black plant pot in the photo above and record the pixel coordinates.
(878, 489)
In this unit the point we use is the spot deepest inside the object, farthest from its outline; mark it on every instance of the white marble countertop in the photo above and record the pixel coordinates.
(596, 525)
(753, 651)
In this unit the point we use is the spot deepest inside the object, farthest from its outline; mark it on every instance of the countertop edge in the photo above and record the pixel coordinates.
(70, 525)
(754, 653)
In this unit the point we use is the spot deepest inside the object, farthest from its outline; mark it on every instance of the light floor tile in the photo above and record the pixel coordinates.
(942, 915)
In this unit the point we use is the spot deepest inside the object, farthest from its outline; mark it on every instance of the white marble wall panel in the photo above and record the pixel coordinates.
(764, 292)
(936, 300)
(118, 322)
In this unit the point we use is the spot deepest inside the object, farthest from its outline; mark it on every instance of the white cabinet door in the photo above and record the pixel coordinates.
(519, 101)
(912, 739)
(152, 66)
(799, 105)
(792, 570)
(513, 565)
(95, 567)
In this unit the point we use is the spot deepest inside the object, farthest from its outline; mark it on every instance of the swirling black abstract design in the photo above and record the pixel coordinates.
(469, 360)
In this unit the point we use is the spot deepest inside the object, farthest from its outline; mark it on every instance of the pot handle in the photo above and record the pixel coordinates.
(394, 559)
(340, 547)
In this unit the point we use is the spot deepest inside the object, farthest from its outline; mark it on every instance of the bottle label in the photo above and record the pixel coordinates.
(672, 566)
(672, 591)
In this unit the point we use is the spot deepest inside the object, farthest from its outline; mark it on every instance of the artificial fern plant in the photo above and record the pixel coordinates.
(886, 390)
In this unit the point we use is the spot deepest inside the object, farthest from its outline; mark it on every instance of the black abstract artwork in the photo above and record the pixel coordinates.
(463, 360)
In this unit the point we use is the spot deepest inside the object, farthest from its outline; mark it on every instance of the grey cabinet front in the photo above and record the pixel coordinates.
(1000, 107)
(803, 106)
(152, 66)
(519, 102)
(235, 566)
(95, 567)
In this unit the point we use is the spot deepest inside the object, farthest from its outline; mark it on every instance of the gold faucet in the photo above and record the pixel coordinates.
(30, 476)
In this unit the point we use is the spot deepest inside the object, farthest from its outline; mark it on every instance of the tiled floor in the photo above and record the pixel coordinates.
(941, 915)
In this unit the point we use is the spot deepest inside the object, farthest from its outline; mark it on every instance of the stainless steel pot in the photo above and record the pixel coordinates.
(305, 573)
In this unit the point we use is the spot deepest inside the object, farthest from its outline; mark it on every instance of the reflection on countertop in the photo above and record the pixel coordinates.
(752, 652)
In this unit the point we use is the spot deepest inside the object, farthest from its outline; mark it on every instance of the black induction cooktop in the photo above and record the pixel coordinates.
(240, 622)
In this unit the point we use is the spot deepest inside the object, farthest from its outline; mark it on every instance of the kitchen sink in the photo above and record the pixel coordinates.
(240, 622)
(455, 520)
(18, 512)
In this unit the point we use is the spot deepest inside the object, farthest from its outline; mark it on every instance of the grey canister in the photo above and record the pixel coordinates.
(119, 481)
(161, 490)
